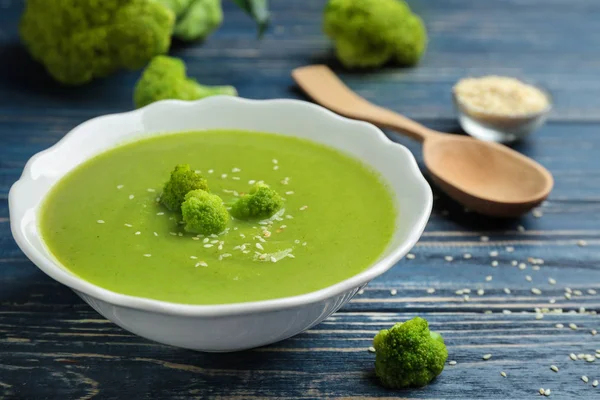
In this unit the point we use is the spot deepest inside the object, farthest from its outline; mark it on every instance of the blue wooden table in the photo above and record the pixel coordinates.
(52, 345)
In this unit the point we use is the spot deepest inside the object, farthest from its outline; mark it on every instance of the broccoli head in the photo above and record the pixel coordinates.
(79, 40)
(165, 78)
(183, 180)
(196, 19)
(408, 354)
(204, 213)
(261, 202)
(370, 33)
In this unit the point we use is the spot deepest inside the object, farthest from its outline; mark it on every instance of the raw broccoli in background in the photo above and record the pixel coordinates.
(261, 202)
(183, 180)
(204, 213)
(165, 78)
(79, 40)
(195, 19)
(408, 354)
(370, 33)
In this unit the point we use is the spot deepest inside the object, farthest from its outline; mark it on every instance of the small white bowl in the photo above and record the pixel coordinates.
(227, 327)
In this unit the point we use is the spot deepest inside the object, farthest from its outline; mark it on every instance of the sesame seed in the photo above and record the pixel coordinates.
(225, 255)
(259, 246)
(172, 234)
(528, 278)
(594, 332)
(552, 301)
(459, 292)
(210, 171)
(431, 290)
(568, 290)
(591, 291)
(480, 292)
(554, 368)
(487, 356)
(273, 259)
(289, 192)
(573, 357)
(510, 249)
(537, 213)
(275, 161)
(203, 264)
(584, 378)
(503, 373)
(151, 190)
(155, 234)
(193, 257)
(466, 256)
(371, 349)
(507, 290)
(581, 243)
(223, 176)
(147, 255)
(208, 245)
(410, 256)
(303, 208)
(547, 392)
(138, 233)
(522, 266)
(235, 170)
(100, 221)
(120, 186)
(493, 253)
(131, 197)
(484, 238)
(494, 263)
(506, 312)
(559, 326)
(128, 225)
(179, 234)
(552, 281)
(235, 178)
(214, 241)
(275, 168)
(536, 291)
(577, 292)
(393, 292)
(361, 291)
(542, 391)
(448, 258)
(160, 213)
(521, 228)
(568, 296)
(595, 383)
(466, 297)
(539, 316)
(488, 278)
(573, 326)
(452, 362)
(303, 243)
(514, 263)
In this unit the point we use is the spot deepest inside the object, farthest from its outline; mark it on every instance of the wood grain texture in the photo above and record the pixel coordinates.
(53, 346)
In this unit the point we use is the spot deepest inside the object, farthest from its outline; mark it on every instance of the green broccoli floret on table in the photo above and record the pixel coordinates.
(370, 33)
(79, 40)
(183, 180)
(261, 202)
(408, 354)
(165, 78)
(196, 19)
(204, 213)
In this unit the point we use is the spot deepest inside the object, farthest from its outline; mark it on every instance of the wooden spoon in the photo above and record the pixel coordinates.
(486, 177)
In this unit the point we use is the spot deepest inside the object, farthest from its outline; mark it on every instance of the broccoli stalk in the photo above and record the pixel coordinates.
(408, 354)
(204, 213)
(165, 78)
(261, 202)
(183, 180)
(370, 33)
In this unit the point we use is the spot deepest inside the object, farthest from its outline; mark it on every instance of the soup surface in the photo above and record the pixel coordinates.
(103, 221)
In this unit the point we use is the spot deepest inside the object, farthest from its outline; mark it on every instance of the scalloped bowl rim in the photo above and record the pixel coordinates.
(59, 273)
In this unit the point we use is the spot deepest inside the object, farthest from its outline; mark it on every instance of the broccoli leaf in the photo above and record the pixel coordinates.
(257, 9)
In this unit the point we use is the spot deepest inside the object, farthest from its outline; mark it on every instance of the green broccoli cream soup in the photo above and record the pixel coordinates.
(104, 221)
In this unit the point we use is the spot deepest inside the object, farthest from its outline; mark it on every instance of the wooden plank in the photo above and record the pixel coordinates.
(73, 355)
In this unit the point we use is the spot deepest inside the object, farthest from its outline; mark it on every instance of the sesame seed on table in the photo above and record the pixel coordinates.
(515, 300)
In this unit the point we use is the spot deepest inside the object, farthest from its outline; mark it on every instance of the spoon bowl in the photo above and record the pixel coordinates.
(486, 177)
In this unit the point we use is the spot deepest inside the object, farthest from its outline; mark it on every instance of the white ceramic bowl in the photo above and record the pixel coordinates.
(227, 327)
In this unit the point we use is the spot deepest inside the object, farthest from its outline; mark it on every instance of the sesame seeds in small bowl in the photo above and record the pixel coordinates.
(500, 109)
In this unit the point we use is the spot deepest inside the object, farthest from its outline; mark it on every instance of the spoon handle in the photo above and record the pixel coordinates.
(323, 86)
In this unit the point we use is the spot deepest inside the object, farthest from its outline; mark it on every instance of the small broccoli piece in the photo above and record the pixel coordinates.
(183, 180)
(165, 78)
(196, 19)
(261, 202)
(370, 33)
(204, 213)
(79, 40)
(408, 354)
